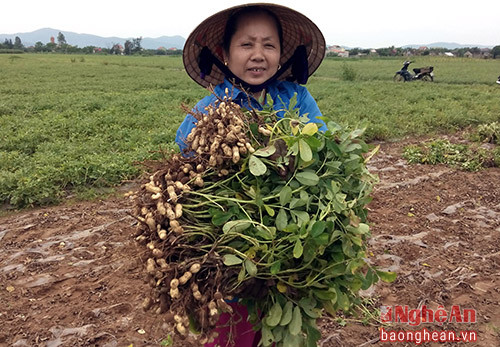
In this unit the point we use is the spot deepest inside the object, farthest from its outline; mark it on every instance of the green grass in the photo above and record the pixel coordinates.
(70, 123)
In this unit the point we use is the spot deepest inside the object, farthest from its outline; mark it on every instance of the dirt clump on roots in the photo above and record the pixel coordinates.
(70, 275)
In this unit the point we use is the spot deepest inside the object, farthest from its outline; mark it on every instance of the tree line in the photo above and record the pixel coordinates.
(133, 46)
(130, 47)
(401, 51)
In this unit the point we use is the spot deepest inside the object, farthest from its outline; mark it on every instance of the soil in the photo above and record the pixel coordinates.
(70, 275)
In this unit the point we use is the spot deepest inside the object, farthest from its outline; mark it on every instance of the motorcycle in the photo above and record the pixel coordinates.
(425, 74)
(498, 80)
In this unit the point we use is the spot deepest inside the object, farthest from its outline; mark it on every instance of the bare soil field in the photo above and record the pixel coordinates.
(70, 275)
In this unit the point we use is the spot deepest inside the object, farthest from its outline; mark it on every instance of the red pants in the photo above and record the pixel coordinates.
(239, 335)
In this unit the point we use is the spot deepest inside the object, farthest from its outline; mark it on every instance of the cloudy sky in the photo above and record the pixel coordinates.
(353, 23)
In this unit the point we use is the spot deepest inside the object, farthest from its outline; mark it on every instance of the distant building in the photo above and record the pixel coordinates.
(485, 53)
(338, 51)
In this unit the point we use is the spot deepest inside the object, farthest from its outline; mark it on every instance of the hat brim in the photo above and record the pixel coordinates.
(297, 30)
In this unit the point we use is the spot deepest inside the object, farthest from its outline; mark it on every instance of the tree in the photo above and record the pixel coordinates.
(133, 46)
(8, 44)
(127, 50)
(39, 46)
(495, 52)
(17, 43)
(136, 45)
(61, 40)
(51, 47)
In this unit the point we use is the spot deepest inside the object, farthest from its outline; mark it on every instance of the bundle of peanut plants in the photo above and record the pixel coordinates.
(259, 207)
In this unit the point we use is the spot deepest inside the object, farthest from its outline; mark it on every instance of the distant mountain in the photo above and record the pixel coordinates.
(446, 45)
(83, 40)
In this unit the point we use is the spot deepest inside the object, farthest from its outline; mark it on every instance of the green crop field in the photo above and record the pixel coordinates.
(71, 124)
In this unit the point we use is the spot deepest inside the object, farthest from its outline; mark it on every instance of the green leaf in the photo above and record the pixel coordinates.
(329, 307)
(307, 178)
(327, 295)
(275, 268)
(267, 336)
(309, 251)
(352, 147)
(231, 259)
(256, 166)
(302, 216)
(194, 327)
(293, 102)
(368, 279)
(291, 228)
(297, 203)
(242, 274)
(295, 325)
(363, 228)
(305, 151)
(254, 129)
(354, 265)
(281, 220)
(386, 276)
(274, 316)
(278, 333)
(313, 334)
(286, 317)
(269, 210)
(250, 267)
(169, 341)
(236, 226)
(314, 143)
(298, 249)
(304, 196)
(318, 228)
(290, 340)
(220, 218)
(265, 152)
(357, 240)
(309, 307)
(342, 301)
(310, 129)
(285, 195)
(347, 247)
(322, 239)
(264, 232)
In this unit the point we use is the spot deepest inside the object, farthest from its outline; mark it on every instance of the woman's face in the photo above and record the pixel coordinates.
(254, 52)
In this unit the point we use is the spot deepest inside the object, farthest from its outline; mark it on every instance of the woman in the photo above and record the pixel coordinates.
(254, 52)
(257, 50)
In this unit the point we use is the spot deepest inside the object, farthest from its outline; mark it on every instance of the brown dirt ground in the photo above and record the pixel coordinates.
(70, 274)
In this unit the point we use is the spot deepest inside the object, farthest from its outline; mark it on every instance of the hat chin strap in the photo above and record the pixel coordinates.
(298, 62)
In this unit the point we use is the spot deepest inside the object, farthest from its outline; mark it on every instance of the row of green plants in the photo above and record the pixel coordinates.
(73, 124)
(463, 155)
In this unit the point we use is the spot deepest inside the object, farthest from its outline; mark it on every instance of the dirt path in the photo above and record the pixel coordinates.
(69, 275)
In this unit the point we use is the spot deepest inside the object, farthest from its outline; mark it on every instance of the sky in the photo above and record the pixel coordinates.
(351, 23)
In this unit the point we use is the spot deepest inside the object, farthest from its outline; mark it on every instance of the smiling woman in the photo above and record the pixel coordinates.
(253, 46)
(261, 53)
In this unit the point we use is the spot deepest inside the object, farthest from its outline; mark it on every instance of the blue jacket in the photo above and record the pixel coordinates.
(280, 91)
